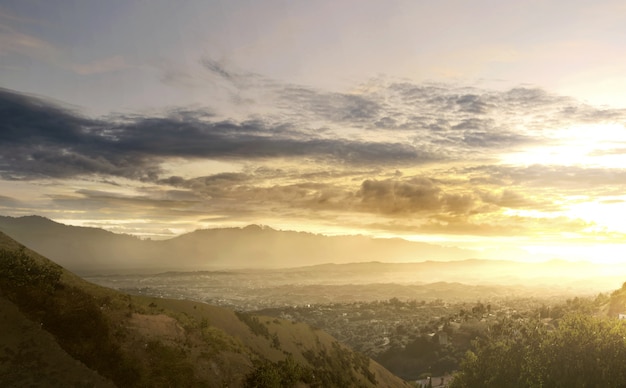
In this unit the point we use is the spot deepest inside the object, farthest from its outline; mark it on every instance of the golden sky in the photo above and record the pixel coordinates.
(483, 125)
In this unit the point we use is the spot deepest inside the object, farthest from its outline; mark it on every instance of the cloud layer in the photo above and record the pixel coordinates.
(390, 157)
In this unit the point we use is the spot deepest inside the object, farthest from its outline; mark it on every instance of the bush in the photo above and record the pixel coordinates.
(583, 351)
(257, 327)
(69, 313)
(18, 271)
(285, 373)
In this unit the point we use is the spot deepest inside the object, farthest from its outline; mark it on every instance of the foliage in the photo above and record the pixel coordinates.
(168, 367)
(285, 373)
(582, 351)
(19, 270)
(254, 324)
(72, 315)
(333, 368)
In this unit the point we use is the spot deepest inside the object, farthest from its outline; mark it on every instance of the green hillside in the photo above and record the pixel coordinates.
(59, 330)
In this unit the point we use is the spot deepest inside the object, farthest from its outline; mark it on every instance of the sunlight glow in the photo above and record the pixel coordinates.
(595, 253)
(599, 145)
(605, 212)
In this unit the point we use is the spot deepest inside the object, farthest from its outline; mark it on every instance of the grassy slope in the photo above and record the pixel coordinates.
(140, 341)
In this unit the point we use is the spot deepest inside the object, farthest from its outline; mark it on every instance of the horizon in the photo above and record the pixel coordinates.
(304, 265)
(122, 262)
(492, 128)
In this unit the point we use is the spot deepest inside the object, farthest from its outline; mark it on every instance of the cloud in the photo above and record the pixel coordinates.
(511, 226)
(8, 202)
(392, 196)
(399, 197)
(333, 107)
(104, 65)
(420, 158)
(239, 79)
(120, 206)
(555, 178)
(512, 199)
(611, 151)
(40, 139)
(217, 68)
(13, 41)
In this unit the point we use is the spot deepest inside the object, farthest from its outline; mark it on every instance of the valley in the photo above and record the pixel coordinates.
(398, 324)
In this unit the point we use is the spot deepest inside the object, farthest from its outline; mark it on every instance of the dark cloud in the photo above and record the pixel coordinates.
(334, 107)
(26, 118)
(213, 186)
(122, 206)
(240, 80)
(42, 140)
(217, 68)
(252, 189)
(512, 199)
(414, 195)
(502, 140)
(472, 103)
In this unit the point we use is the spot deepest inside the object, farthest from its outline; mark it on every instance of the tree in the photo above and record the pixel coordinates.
(582, 351)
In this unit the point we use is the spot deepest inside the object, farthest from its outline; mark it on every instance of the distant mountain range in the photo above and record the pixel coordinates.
(90, 249)
(297, 257)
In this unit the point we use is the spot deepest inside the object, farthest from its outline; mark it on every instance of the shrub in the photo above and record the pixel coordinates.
(583, 351)
(19, 270)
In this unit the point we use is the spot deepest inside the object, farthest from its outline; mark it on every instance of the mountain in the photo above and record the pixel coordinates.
(84, 249)
(56, 329)
(302, 257)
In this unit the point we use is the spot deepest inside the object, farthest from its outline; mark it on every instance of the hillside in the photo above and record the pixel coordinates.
(579, 343)
(616, 305)
(59, 330)
(82, 249)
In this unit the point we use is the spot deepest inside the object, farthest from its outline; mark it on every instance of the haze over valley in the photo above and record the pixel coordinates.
(261, 257)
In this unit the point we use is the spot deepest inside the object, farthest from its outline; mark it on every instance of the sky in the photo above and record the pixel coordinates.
(485, 125)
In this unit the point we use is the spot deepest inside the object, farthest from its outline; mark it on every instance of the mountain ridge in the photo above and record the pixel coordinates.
(92, 249)
(359, 259)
